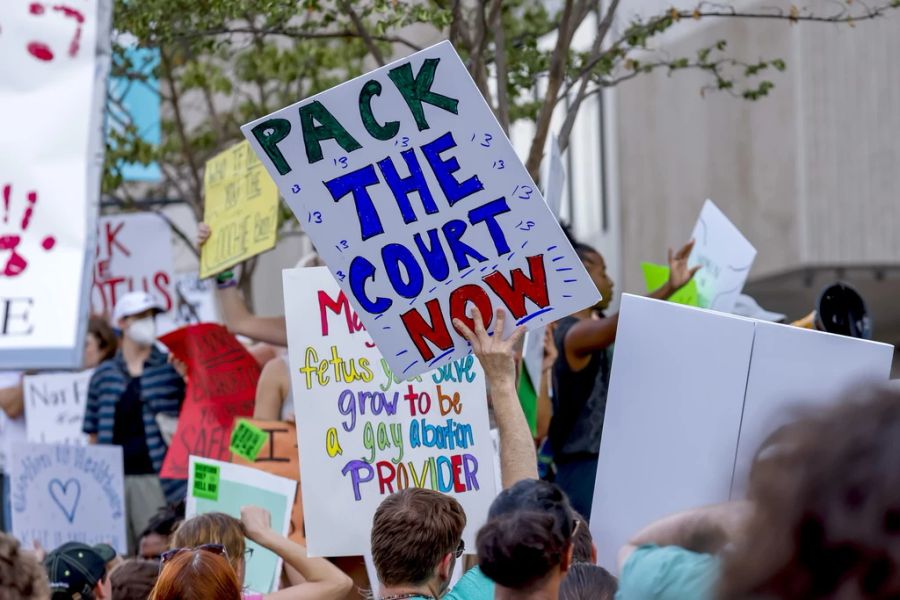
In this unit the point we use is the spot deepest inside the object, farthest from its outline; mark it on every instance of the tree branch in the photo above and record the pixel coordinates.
(293, 33)
(363, 32)
(496, 20)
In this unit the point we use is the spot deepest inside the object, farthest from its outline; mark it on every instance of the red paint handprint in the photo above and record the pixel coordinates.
(42, 51)
(16, 263)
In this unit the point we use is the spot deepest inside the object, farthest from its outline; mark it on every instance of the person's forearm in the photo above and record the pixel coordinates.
(12, 401)
(706, 529)
(313, 570)
(663, 293)
(234, 309)
(518, 459)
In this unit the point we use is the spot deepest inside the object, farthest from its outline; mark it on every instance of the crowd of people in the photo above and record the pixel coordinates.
(821, 518)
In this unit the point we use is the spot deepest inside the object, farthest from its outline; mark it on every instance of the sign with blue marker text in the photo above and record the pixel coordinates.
(365, 431)
(61, 493)
(417, 202)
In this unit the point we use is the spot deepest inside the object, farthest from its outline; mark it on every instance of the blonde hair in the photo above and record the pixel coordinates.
(213, 528)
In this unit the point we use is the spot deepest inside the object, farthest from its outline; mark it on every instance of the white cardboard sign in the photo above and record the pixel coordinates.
(54, 407)
(705, 388)
(60, 493)
(725, 256)
(365, 431)
(554, 178)
(134, 253)
(50, 167)
(418, 204)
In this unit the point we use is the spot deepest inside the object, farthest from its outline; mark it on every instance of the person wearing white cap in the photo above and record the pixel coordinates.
(125, 396)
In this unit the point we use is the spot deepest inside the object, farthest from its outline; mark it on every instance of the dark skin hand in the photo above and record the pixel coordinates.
(591, 334)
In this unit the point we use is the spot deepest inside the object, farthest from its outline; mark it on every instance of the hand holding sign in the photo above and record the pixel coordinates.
(497, 356)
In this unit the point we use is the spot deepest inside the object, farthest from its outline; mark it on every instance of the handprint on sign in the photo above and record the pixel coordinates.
(42, 51)
(16, 263)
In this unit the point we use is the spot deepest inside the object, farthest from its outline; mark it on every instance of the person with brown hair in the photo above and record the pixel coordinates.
(196, 574)
(417, 533)
(588, 582)
(100, 343)
(323, 581)
(134, 579)
(21, 575)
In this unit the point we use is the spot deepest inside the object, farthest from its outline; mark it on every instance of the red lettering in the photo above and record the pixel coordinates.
(341, 305)
(456, 462)
(111, 233)
(419, 330)
(161, 281)
(513, 295)
(461, 297)
(385, 477)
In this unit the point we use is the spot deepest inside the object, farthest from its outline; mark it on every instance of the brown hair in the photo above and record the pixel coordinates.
(106, 337)
(21, 576)
(826, 497)
(411, 532)
(197, 575)
(213, 528)
(133, 579)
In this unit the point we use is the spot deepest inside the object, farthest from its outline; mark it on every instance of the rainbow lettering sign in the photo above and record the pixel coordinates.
(366, 432)
(417, 202)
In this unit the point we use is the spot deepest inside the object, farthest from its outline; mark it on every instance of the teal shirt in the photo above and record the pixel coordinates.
(668, 573)
(473, 585)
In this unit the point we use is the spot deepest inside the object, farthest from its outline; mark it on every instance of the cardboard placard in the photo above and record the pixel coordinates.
(366, 432)
(216, 486)
(240, 207)
(50, 170)
(707, 388)
(417, 202)
(656, 276)
(61, 493)
(221, 385)
(54, 407)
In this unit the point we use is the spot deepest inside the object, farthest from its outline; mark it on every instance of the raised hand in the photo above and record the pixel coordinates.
(497, 356)
(679, 273)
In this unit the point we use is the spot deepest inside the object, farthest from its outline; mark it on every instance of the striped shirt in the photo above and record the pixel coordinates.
(162, 392)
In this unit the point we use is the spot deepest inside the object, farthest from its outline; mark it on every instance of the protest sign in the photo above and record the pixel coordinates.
(656, 276)
(195, 300)
(216, 486)
(707, 414)
(365, 431)
(221, 385)
(278, 455)
(725, 257)
(50, 191)
(60, 493)
(134, 252)
(54, 407)
(417, 202)
(240, 207)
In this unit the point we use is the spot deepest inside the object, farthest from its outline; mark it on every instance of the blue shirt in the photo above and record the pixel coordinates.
(668, 573)
(162, 392)
(473, 585)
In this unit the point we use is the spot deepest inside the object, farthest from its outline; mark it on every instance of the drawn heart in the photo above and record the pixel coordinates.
(66, 495)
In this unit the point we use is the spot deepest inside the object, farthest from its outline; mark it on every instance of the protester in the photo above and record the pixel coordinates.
(155, 538)
(588, 582)
(133, 579)
(584, 550)
(526, 545)
(196, 574)
(109, 556)
(323, 581)
(273, 392)
(125, 396)
(581, 376)
(77, 572)
(21, 575)
(417, 533)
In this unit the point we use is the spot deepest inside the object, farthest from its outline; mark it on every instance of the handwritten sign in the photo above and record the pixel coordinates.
(725, 255)
(54, 407)
(365, 431)
(221, 385)
(418, 204)
(61, 493)
(195, 300)
(279, 456)
(224, 487)
(134, 253)
(241, 208)
(247, 440)
(50, 168)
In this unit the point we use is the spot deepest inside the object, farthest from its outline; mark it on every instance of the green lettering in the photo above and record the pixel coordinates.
(268, 134)
(380, 132)
(328, 129)
(418, 90)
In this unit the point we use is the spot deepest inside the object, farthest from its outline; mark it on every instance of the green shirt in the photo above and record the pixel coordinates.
(668, 573)
(473, 585)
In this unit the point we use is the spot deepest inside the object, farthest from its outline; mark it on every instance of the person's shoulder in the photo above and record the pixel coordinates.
(473, 585)
(108, 367)
(667, 573)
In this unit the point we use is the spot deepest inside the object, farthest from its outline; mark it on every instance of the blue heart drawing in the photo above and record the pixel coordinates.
(66, 495)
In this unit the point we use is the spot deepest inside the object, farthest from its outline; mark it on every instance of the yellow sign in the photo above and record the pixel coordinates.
(241, 209)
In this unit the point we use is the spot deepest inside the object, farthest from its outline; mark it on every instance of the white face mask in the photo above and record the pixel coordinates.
(142, 331)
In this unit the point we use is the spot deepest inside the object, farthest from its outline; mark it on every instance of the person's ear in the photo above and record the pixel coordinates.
(445, 567)
(566, 562)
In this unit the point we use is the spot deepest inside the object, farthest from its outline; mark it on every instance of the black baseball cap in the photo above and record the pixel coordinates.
(842, 310)
(74, 568)
(105, 551)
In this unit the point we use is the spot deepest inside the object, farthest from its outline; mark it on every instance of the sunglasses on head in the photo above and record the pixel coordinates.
(461, 549)
(213, 548)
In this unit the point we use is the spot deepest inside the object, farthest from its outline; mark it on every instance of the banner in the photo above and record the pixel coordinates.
(240, 207)
(278, 455)
(417, 202)
(221, 385)
(366, 431)
(61, 493)
(216, 486)
(50, 168)
(54, 407)
(134, 252)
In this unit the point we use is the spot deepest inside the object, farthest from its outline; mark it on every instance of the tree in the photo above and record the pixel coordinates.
(235, 60)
